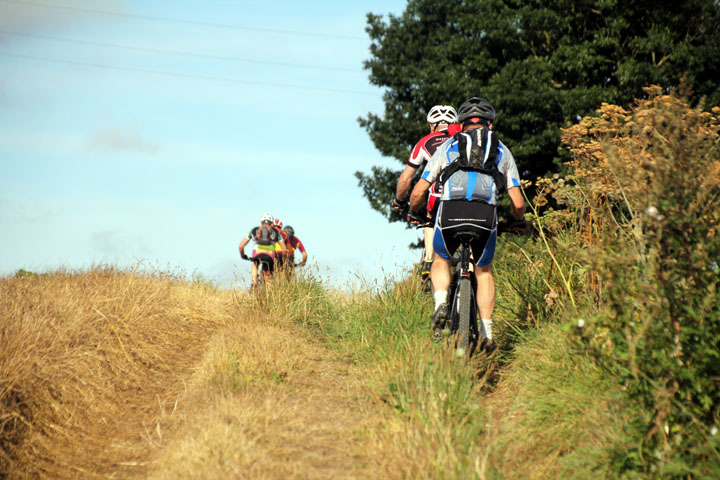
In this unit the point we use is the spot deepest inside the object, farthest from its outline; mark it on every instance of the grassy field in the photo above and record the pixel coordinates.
(117, 374)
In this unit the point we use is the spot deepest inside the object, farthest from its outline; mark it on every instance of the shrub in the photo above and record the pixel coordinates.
(645, 190)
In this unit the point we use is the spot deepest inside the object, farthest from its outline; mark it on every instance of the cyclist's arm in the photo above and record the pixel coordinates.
(517, 203)
(508, 168)
(417, 196)
(403, 185)
(242, 245)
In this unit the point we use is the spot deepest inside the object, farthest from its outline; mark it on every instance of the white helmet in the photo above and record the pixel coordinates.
(442, 114)
(266, 218)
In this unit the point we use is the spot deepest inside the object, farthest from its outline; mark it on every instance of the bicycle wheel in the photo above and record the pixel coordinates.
(462, 338)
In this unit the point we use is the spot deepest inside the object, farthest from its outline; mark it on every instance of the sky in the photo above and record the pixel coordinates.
(155, 134)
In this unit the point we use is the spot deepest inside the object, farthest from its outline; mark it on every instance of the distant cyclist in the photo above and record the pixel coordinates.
(441, 120)
(470, 169)
(280, 249)
(294, 243)
(265, 237)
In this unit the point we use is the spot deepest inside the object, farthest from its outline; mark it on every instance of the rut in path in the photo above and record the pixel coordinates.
(268, 402)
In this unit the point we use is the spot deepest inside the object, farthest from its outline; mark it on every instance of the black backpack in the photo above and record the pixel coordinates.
(478, 152)
(264, 235)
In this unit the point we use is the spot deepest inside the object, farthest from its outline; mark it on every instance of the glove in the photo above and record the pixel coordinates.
(243, 256)
(416, 218)
(399, 205)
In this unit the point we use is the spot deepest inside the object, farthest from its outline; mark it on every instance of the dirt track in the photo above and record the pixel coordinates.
(287, 407)
(113, 375)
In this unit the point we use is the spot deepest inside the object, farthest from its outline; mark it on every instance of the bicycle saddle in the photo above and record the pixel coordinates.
(465, 236)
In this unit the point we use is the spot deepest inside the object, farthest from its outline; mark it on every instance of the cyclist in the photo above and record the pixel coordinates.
(294, 243)
(468, 201)
(280, 251)
(265, 237)
(441, 120)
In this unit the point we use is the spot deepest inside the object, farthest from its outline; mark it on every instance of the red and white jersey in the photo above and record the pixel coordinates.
(426, 146)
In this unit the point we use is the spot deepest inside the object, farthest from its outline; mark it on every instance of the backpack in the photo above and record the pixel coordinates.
(478, 152)
(264, 235)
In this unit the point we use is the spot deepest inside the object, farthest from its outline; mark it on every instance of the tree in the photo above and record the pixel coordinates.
(543, 64)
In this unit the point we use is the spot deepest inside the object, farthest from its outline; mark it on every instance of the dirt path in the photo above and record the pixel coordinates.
(287, 407)
(116, 375)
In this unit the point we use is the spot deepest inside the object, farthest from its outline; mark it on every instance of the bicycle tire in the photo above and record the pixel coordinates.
(463, 334)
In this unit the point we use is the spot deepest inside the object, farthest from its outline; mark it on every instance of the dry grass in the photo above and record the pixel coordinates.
(110, 374)
(91, 363)
(120, 375)
(270, 403)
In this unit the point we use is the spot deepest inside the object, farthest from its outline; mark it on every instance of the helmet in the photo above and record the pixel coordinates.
(442, 114)
(277, 223)
(266, 218)
(476, 107)
(289, 230)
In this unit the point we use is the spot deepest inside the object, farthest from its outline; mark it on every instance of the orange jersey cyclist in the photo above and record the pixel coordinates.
(294, 243)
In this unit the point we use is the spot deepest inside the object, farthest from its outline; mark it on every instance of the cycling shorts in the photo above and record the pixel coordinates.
(462, 216)
(266, 259)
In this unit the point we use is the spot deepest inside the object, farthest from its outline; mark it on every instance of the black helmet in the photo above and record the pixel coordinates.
(289, 230)
(476, 107)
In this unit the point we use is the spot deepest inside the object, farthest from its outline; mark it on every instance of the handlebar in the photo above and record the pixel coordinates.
(513, 226)
(419, 219)
(251, 259)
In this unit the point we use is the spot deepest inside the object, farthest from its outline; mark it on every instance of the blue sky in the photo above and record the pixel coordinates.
(158, 132)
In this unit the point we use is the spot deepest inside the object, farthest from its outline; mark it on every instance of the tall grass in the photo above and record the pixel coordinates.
(445, 417)
(150, 377)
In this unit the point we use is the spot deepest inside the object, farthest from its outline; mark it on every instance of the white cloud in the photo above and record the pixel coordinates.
(121, 140)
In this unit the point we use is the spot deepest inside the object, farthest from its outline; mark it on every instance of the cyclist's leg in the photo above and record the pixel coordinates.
(428, 234)
(485, 291)
(440, 270)
(254, 273)
(440, 273)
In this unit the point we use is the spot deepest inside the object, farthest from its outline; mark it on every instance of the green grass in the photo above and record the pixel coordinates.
(539, 406)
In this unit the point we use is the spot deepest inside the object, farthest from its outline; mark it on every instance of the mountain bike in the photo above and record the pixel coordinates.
(265, 270)
(463, 312)
(462, 315)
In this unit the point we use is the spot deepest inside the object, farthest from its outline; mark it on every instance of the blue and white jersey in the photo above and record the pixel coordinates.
(470, 185)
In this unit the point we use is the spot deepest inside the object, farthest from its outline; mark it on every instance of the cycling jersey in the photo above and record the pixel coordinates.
(467, 184)
(292, 244)
(426, 146)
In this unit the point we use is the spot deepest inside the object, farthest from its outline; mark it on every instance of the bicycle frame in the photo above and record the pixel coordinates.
(463, 308)
(264, 272)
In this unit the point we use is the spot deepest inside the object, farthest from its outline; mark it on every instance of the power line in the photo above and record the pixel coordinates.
(185, 75)
(186, 22)
(175, 52)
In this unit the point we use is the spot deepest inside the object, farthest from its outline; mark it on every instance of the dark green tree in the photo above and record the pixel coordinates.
(541, 63)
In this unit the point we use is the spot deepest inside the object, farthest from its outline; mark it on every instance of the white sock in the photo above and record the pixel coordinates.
(487, 328)
(440, 297)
